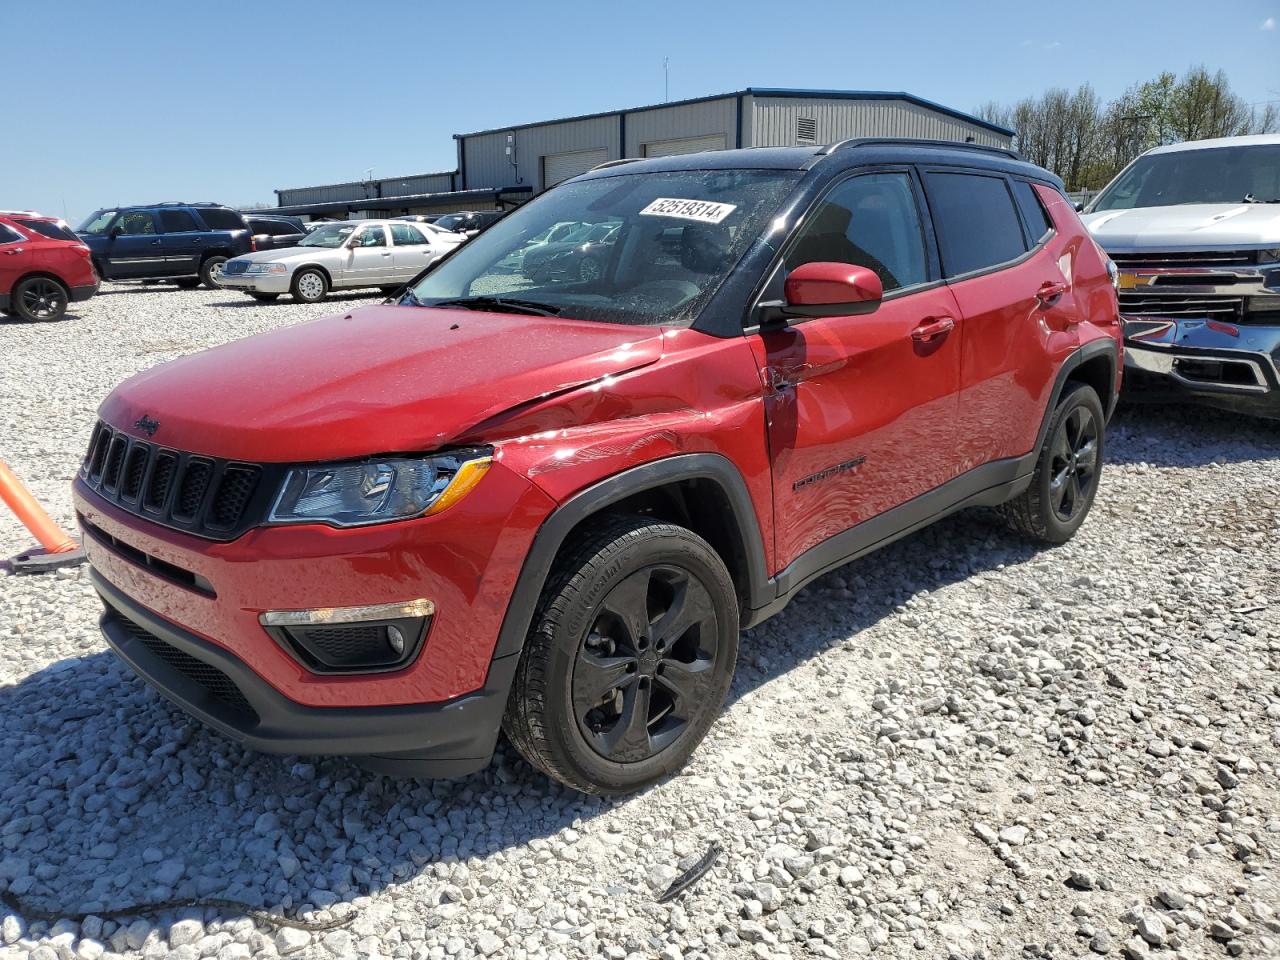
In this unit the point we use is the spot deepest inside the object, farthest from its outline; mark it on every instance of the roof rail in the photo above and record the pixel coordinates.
(919, 142)
(614, 163)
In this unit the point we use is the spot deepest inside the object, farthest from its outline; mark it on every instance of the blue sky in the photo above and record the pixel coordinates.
(138, 101)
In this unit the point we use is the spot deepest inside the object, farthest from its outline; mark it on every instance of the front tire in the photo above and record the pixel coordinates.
(309, 286)
(1067, 471)
(211, 272)
(629, 657)
(39, 299)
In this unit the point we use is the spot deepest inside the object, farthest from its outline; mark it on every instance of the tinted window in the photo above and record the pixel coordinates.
(1207, 175)
(372, 237)
(177, 221)
(976, 222)
(54, 231)
(871, 221)
(10, 235)
(403, 235)
(220, 218)
(276, 228)
(136, 222)
(1033, 214)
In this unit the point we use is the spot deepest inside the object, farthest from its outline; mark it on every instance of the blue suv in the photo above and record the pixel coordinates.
(187, 242)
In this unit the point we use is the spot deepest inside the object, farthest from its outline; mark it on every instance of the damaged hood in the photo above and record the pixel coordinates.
(382, 379)
(1186, 226)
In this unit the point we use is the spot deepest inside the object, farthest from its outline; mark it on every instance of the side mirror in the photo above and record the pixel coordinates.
(826, 290)
(1079, 207)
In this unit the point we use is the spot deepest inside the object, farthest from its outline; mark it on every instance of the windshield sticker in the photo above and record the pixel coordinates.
(703, 211)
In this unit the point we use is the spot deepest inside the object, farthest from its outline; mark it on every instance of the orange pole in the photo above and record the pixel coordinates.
(32, 514)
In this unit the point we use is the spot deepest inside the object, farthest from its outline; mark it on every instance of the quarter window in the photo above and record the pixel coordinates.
(177, 221)
(872, 221)
(403, 235)
(977, 224)
(1038, 222)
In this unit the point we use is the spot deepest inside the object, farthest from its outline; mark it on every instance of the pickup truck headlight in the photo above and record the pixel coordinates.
(378, 491)
(1112, 271)
(267, 268)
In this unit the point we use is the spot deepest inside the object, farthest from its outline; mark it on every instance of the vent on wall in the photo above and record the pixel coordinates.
(806, 130)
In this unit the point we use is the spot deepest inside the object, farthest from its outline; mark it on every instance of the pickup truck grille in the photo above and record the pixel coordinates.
(1202, 258)
(206, 496)
(1146, 305)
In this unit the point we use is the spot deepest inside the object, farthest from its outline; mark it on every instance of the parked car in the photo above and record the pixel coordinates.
(580, 254)
(43, 267)
(275, 232)
(188, 242)
(1195, 231)
(421, 217)
(471, 222)
(551, 507)
(339, 256)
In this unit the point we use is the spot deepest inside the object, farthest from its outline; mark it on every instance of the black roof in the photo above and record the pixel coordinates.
(845, 154)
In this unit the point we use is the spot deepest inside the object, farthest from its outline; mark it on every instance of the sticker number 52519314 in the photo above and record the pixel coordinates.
(703, 211)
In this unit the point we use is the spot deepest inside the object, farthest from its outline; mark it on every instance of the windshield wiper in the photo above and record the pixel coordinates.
(500, 305)
(1250, 198)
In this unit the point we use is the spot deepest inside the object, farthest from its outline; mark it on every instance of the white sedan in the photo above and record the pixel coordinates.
(341, 256)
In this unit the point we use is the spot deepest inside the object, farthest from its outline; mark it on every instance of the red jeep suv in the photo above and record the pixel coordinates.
(43, 266)
(548, 506)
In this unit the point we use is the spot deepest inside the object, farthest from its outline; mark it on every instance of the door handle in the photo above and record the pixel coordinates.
(155, 243)
(386, 254)
(14, 252)
(932, 327)
(1050, 291)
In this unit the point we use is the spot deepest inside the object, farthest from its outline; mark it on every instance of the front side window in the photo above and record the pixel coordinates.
(641, 248)
(403, 235)
(330, 236)
(136, 222)
(977, 224)
(1211, 175)
(177, 221)
(872, 221)
(371, 237)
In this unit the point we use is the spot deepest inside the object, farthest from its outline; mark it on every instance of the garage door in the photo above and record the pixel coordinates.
(558, 167)
(671, 148)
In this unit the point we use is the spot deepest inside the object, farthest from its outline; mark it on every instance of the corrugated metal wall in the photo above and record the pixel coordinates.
(489, 166)
(367, 189)
(677, 123)
(422, 183)
(774, 121)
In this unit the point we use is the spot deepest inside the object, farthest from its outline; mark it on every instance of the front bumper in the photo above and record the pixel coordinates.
(447, 739)
(1226, 365)
(258, 282)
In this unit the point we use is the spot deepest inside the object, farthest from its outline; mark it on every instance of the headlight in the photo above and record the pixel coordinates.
(377, 491)
(1112, 271)
(267, 268)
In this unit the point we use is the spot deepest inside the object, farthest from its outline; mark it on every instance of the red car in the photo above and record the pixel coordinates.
(43, 266)
(550, 505)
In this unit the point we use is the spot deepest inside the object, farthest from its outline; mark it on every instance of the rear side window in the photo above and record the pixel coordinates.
(47, 228)
(872, 221)
(177, 221)
(276, 228)
(403, 235)
(1033, 214)
(220, 218)
(976, 222)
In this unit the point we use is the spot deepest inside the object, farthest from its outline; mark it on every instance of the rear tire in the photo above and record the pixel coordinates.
(309, 286)
(629, 657)
(1067, 471)
(39, 299)
(265, 297)
(211, 271)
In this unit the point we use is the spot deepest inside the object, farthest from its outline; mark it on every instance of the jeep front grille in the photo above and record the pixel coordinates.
(205, 496)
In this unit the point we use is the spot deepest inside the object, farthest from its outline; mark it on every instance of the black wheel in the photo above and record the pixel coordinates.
(265, 297)
(628, 659)
(39, 298)
(188, 283)
(211, 271)
(1067, 471)
(309, 286)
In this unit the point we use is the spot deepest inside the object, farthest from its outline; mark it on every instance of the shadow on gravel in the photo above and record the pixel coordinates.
(1183, 435)
(7, 319)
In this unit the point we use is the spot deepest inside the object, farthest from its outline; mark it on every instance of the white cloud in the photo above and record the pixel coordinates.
(1268, 24)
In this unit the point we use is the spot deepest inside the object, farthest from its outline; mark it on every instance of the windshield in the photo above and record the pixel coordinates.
(97, 222)
(451, 222)
(330, 235)
(1211, 175)
(644, 248)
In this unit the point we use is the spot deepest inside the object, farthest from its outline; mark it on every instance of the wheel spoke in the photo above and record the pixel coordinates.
(628, 602)
(691, 605)
(594, 677)
(629, 737)
(1087, 455)
(685, 682)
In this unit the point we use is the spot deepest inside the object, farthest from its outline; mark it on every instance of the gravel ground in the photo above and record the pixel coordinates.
(961, 746)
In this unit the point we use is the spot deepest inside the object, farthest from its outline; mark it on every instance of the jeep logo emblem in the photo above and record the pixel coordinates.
(147, 425)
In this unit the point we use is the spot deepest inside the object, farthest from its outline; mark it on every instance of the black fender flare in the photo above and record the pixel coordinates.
(648, 476)
(1101, 347)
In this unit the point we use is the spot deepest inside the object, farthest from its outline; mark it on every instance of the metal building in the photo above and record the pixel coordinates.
(505, 166)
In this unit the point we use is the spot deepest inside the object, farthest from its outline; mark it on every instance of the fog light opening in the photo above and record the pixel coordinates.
(395, 640)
